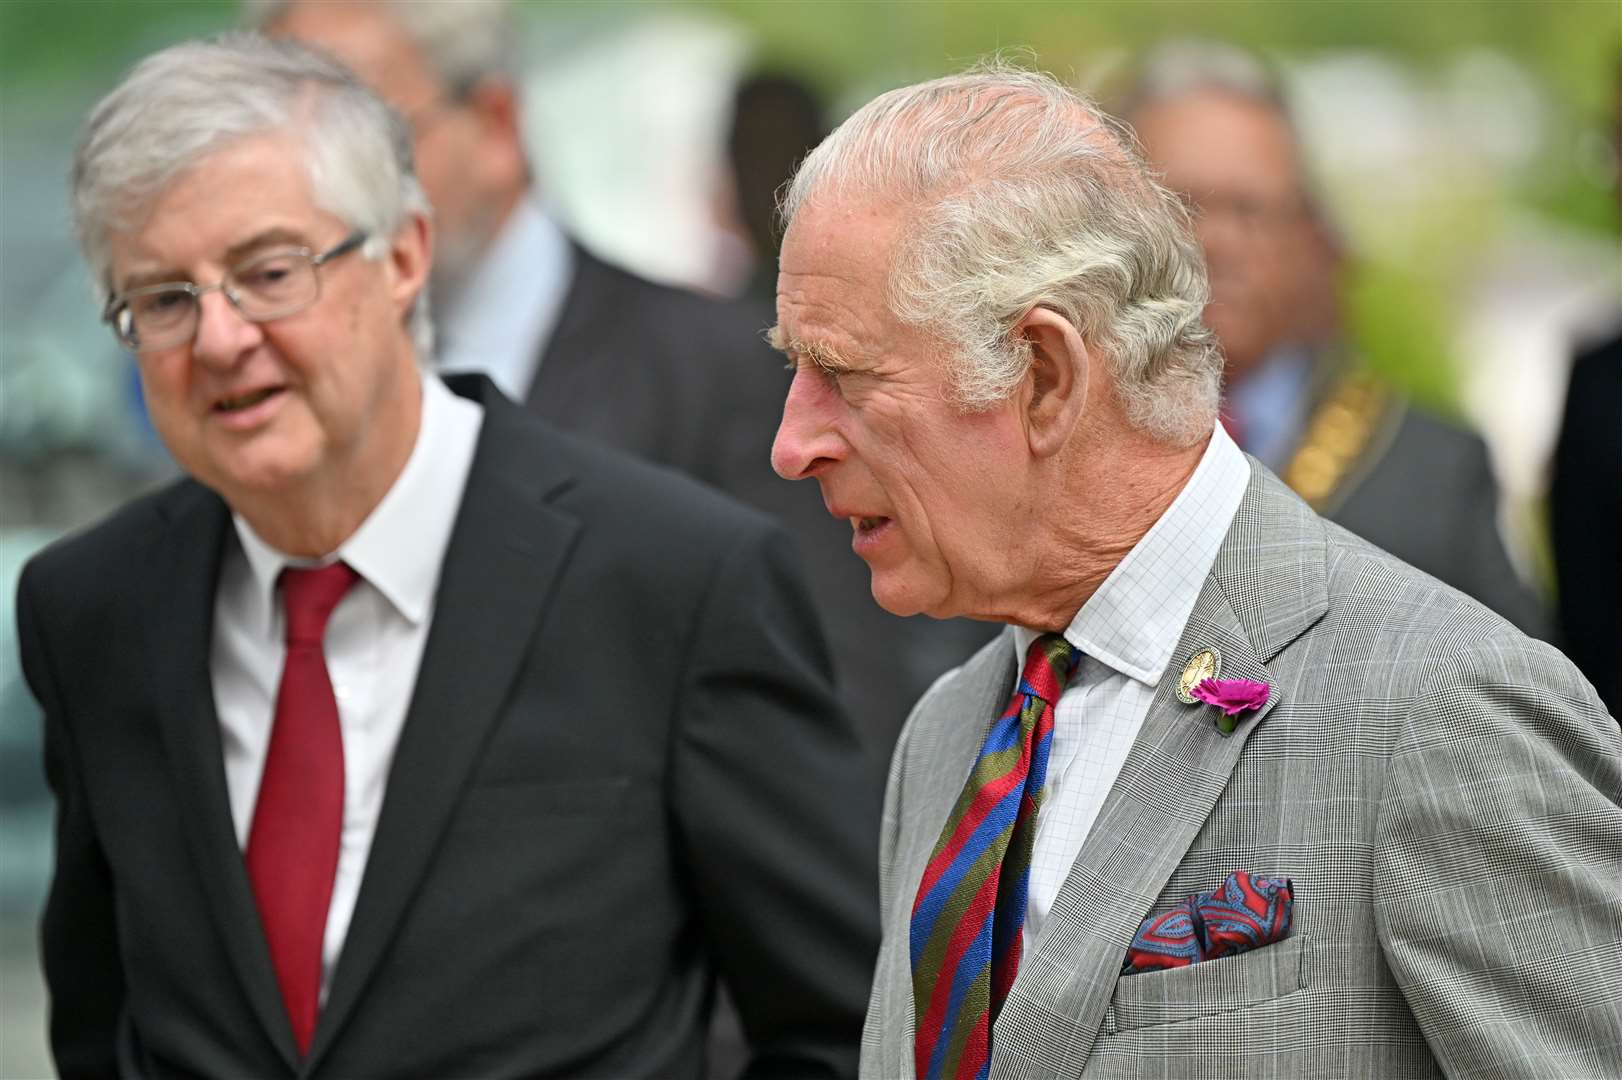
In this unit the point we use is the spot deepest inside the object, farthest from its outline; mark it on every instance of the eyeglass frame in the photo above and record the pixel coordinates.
(110, 312)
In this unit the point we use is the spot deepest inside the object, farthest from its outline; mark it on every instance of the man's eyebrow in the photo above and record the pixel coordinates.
(276, 236)
(823, 356)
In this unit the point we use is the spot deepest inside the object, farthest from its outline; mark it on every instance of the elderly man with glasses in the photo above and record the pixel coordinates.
(694, 386)
(406, 737)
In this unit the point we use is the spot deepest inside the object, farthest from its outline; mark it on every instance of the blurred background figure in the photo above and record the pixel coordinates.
(776, 119)
(1585, 500)
(517, 296)
(1213, 122)
(694, 384)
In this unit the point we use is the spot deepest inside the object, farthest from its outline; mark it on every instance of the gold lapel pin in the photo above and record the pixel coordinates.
(1205, 664)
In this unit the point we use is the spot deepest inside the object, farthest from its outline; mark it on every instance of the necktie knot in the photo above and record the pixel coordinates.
(1049, 663)
(309, 596)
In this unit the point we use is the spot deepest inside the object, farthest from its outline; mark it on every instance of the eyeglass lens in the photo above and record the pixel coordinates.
(264, 287)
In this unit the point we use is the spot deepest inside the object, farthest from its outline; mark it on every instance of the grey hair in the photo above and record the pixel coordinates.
(1018, 192)
(1181, 67)
(464, 41)
(182, 104)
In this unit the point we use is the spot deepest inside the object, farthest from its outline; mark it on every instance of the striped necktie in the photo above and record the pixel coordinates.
(970, 909)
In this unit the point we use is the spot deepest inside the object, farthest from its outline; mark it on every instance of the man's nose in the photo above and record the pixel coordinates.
(223, 335)
(806, 442)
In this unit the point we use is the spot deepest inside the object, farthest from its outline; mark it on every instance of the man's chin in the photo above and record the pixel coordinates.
(906, 599)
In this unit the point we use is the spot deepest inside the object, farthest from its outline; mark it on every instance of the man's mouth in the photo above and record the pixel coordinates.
(245, 401)
(867, 524)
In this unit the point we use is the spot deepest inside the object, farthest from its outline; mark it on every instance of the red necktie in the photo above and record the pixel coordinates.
(293, 845)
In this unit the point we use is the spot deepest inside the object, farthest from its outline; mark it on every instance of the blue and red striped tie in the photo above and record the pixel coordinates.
(970, 910)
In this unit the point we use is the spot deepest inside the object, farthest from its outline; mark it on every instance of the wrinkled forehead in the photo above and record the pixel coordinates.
(218, 207)
(854, 232)
(835, 308)
(837, 253)
(123, 186)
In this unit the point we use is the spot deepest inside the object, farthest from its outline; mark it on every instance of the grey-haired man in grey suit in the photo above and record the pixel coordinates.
(1003, 381)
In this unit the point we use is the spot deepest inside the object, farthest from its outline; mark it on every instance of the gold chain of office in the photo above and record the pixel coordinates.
(1337, 435)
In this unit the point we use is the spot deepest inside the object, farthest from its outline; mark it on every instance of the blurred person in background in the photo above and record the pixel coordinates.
(1585, 498)
(1263, 800)
(682, 380)
(406, 736)
(515, 296)
(1213, 124)
(776, 120)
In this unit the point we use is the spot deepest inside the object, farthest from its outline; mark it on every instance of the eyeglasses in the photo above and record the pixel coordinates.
(270, 285)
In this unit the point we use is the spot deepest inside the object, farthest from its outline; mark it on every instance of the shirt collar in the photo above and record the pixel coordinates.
(1133, 622)
(501, 318)
(421, 504)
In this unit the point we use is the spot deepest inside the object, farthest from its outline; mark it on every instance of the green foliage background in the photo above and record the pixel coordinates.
(73, 49)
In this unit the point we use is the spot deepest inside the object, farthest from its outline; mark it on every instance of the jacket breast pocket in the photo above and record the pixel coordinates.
(1209, 988)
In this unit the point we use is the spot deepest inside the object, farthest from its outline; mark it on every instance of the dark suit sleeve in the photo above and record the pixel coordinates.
(1478, 545)
(79, 934)
(778, 816)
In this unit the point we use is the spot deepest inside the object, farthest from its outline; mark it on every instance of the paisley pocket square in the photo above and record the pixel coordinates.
(1246, 912)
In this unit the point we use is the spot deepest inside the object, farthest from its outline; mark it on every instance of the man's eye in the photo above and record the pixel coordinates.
(266, 275)
(160, 303)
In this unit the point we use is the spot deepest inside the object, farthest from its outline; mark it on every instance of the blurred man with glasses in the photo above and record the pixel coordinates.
(1214, 124)
(406, 736)
(694, 386)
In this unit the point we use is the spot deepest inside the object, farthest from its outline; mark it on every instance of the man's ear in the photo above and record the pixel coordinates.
(411, 253)
(1054, 394)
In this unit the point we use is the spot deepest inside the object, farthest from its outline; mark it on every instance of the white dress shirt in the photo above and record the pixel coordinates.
(373, 643)
(1127, 632)
(501, 320)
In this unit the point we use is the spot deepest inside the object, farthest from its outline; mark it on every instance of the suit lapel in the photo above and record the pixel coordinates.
(505, 552)
(566, 359)
(178, 641)
(1266, 588)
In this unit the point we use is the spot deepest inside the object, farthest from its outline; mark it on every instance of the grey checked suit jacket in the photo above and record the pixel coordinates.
(1442, 790)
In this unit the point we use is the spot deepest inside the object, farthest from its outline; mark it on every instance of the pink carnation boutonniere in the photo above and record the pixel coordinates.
(1232, 696)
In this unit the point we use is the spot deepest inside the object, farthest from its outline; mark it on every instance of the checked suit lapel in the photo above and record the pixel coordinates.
(987, 680)
(1266, 588)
